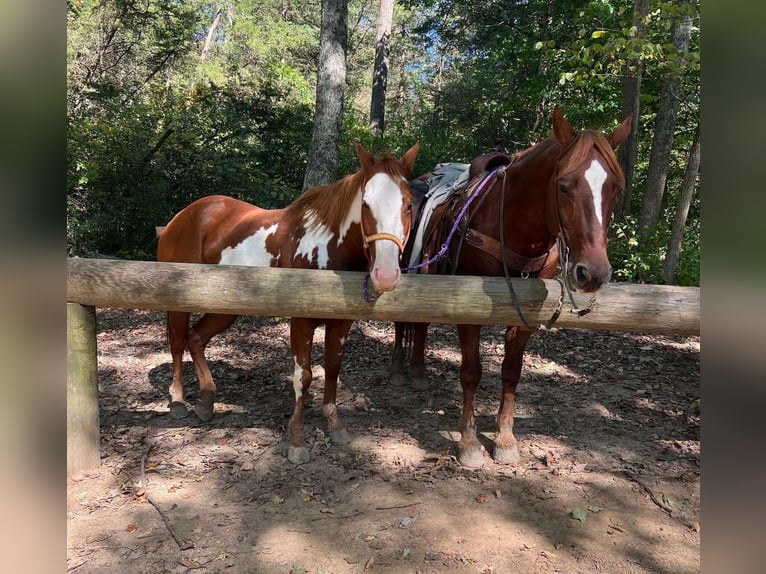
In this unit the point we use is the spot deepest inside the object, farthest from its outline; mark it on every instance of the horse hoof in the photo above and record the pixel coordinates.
(419, 383)
(507, 454)
(298, 454)
(397, 379)
(178, 410)
(470, 457)
(204, 408)
(339, 437)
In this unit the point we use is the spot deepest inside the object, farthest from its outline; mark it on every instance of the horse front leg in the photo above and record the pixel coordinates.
(506, 447)
(469, 448)
(301, 339)
(335, 338)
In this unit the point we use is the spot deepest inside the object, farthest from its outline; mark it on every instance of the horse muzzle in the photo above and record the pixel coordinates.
(589, 277)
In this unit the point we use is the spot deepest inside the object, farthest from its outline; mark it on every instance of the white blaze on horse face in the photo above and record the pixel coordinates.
(595, 175)
(384, 199)
(316, 237)
(297, 379)
(251, 251)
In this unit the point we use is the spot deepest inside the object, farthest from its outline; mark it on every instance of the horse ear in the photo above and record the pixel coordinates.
(365, 159)
(408, 159)
(620, 132)
(562, 129)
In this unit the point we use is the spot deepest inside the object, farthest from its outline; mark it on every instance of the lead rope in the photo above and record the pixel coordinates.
(514, 298)
(445, 246)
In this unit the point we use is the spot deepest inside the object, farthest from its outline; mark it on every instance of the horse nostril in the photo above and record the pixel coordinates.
(581, 274)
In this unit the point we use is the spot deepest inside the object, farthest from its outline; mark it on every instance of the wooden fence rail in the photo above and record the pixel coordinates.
(333, 294)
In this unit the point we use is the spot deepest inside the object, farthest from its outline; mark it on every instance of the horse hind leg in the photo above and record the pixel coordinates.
(419, 379)
(178, 327)
(199, 336)
(398, 354)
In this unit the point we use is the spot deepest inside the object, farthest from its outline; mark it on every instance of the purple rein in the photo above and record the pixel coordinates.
(445, 246)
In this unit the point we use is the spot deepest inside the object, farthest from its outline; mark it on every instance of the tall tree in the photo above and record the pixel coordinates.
(679, 221)
(380, 69)
(631, 98)
(331, 82)
(664, 127)
(210, 33)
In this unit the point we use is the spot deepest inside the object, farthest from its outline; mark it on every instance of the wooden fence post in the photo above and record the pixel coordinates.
(83, 434)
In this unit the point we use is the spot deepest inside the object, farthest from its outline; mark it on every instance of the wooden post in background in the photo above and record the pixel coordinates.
(83, 434)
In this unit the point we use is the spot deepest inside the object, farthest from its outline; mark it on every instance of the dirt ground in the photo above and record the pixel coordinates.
(608, 426)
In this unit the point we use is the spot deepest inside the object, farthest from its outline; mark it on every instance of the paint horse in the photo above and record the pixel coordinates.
(548, 206)
(358, 223)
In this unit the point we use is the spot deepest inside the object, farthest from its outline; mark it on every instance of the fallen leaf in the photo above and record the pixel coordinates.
(695, 526)
(369, 564)
(480, 498)
(132, 527)
(595, 508)
(578, 514)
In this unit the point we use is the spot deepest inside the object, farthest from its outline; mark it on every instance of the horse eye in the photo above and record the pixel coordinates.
(563, 187)
(409, 208)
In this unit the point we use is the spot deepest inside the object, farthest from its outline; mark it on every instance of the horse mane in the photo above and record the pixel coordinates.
(329, 204)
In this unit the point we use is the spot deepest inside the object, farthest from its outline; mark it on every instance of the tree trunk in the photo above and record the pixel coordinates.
(331, 82)
(380, 69)
(628, 151)
(210, 32)
(664, 129)
(685, 200)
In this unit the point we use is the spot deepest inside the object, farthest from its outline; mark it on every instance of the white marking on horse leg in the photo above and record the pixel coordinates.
(595, 175)
(297, 379)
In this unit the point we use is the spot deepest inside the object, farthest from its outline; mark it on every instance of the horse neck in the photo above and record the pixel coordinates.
(333, 212)
(526, 190)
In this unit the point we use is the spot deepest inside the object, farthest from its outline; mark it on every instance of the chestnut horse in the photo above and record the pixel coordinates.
(358, 223)
(556, 195)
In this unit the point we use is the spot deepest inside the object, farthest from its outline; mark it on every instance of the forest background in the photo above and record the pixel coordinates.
(168, 101)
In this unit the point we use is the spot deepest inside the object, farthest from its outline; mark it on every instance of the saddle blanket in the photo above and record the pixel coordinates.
(444, 180)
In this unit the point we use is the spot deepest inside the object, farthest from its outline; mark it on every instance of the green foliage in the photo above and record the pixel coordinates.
(640, 260)
(153, 126)
(636, 260)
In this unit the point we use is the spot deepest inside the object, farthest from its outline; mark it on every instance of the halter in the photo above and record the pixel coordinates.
(378, 236)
